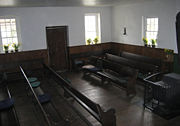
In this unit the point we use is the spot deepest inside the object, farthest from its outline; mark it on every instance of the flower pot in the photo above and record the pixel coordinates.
(153, 46)
(6, 51)
(145, 45)
(16, 50)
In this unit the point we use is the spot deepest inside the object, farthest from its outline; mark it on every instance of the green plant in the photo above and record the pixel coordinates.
(89, 41)
(16, 46)
(6, 47)
(168, 51)
(153, 41)
(145, 40)
(96, 40)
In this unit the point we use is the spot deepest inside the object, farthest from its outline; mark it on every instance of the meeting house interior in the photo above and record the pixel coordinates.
(89, 62)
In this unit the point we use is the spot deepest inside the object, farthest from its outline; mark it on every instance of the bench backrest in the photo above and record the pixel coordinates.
(141, 66)
(140, 58)
(118, 68)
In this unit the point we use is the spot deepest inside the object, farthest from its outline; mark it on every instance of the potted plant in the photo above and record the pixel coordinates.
(168, 53)
(145, 42)
(16, 47)
(89, 41)
(6, 48)
(96, 40)
(153, 42)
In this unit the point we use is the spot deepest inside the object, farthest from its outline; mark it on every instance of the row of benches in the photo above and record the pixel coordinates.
(106, 118)
(122, 70)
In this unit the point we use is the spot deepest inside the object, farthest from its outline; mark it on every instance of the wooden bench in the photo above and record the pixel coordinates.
(7, 110)
(121, 75)
(106, 118)
(145, 65)
(79, 59)
(43, 100)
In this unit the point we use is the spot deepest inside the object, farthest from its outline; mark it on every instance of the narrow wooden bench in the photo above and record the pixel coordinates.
(106, 118)
(146, 66)
(121, 75)
(7, 111)
(49, 112)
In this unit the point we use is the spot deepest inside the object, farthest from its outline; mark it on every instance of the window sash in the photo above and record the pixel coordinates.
(96, 30)
(151, 28)
(8, 32)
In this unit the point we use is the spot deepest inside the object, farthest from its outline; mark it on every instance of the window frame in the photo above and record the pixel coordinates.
(145, 28)
(98, 26)
(17, 30)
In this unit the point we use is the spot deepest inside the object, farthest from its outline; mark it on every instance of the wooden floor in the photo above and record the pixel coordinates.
(129, 109)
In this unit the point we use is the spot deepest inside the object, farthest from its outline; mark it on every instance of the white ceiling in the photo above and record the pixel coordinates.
(45, 3)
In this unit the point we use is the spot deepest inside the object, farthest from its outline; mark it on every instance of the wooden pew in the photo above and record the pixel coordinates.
(106, 118)
(122, 76)
(7, 113)
(49, 112)
(136, 62)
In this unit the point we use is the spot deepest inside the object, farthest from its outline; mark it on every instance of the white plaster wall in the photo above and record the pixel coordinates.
(33, 20)
(178, 5)
(130, 16)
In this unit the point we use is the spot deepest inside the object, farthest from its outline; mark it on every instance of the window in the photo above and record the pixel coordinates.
(8, 32)
(151, 29)
(92, 27)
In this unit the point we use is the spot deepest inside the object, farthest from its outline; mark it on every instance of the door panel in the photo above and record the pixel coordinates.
(57, 37)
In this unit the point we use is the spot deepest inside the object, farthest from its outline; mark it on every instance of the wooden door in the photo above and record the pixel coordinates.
(57, 40)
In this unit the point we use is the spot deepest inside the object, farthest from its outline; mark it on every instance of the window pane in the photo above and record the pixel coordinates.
(149, 27)
(3, 34)
(148, 21)
(13, 21)
(7, 20)
(2, 21)
(152, 21)
(14, 34)
(4, 41)
(156, 28)
(152, 27)
(156, 21)
(13, 27)
(3, 28)
(15, 40)
(8, 34)
(8, 28)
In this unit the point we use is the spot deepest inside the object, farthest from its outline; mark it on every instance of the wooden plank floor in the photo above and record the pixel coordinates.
(129, 110)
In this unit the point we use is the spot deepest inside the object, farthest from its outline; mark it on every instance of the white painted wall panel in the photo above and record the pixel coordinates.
(33, 21)
(130, 16)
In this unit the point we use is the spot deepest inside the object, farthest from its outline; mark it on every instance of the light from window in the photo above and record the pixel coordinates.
(151, 29)
(92, 27)
(8, 32)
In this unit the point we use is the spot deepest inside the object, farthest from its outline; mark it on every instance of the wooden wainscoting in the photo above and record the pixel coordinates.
(89, 48)
(141, 50)
(9, 62)
(116, 48)
(158, 53)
